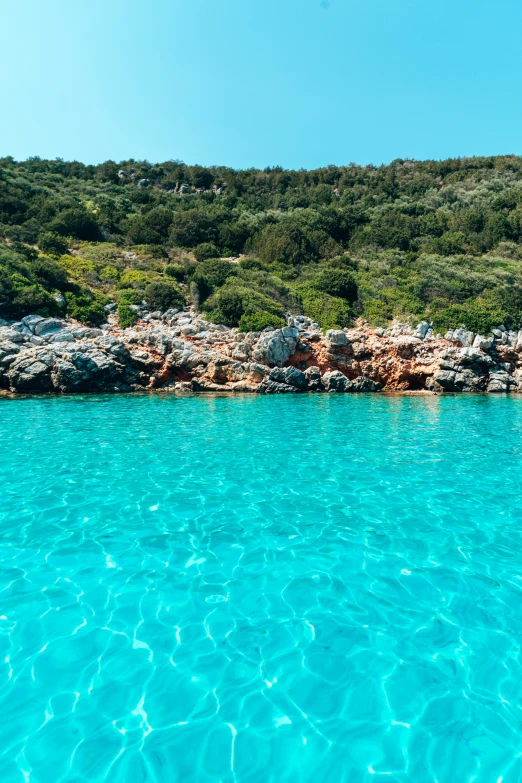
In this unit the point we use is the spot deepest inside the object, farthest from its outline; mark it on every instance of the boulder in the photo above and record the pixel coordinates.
(47, 326)
(276, 347)
(335, 381)
(272, 387)
(313, 377)
(462, 336)
(470, 380)
(337, 337)
(31, 320)
(64, 336)
(291, 376)
(496, 385)
(484, 343)
(422, 329)
(445, 379)
(365, 384)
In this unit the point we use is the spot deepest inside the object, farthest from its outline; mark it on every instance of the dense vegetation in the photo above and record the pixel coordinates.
(437, 240)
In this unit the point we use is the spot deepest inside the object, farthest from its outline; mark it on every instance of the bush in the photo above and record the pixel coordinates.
(479, 315)
(284, 243)
(162, 296)
(259, 321)
(50, 274)
(53, 243)
(129, 296)
(136, 278)
(76, 222)
(126, 316)
(206, 250)
(192, 228)
(336, 282)
(329, 312)
(109, 274)
(233, 300)
(176, 271)
(212, 274)
(86, 308)
(33, 300)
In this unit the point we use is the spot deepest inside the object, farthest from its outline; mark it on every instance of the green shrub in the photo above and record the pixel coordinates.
(206, 250)
(52, 243)
(80, 269)
(109, 274)
(76, 222)
(259, 321)
(336, 282)
(328, 311)
(211, 274)
(234, 300)
(176, 271)
(162, 296)
(126, 316)
(50, 274)
(32, 300)
(136, 278)
(86, 308)
(479, 315)
(129, 296)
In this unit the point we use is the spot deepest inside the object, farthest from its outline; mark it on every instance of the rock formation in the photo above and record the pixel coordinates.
(180, 350)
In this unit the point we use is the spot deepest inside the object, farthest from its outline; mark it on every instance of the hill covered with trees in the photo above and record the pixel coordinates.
(439, 240)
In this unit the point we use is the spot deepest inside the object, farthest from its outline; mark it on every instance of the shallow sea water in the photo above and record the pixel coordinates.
(261, 589)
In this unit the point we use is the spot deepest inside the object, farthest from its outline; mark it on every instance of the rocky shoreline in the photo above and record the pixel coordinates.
(181, 351)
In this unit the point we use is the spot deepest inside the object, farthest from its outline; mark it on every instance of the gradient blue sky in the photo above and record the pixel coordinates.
(297, 83)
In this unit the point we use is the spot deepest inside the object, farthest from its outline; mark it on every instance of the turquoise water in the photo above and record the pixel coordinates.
(261, 589)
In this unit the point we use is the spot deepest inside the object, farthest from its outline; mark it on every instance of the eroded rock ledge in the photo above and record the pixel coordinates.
(179, 350)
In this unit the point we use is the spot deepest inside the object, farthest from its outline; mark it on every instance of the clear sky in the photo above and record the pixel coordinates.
(296, 83)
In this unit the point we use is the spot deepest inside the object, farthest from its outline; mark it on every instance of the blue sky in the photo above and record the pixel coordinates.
(297, 83)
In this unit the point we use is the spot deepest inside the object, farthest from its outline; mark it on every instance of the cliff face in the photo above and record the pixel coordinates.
(179, 350)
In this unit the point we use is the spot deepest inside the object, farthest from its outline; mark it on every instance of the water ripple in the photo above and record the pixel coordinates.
(272, 590)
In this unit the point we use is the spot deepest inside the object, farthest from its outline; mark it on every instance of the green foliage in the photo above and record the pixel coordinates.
(259, 321)
(50, 274)
(136, 278)
(129, 296)
(206, 250)
(176, 271)
(328, 311)
(233, 300)
(284, 243)
(162, 296)
(211, 274)
(192, 228)
(411, 234)
(31, 300)
(337, 282)
(109, 274)
(150, 228)
(52, 243)
(126, 316)
(76, 222)
(85, 307)
(479, 315)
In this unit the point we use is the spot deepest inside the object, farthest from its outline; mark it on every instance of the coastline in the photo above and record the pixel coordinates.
(179, 351)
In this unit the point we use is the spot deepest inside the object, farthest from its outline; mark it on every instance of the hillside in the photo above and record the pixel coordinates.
(440, 241)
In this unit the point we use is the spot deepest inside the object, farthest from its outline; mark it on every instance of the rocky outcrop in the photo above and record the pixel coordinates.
(180, 350)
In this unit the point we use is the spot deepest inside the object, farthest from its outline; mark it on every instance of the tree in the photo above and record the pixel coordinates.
(337, 282)
(50, 242)
(200, 177)
(162, 296)
(76, 222)
(192, 228)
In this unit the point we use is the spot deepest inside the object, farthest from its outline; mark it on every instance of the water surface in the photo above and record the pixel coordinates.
(261, 589)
